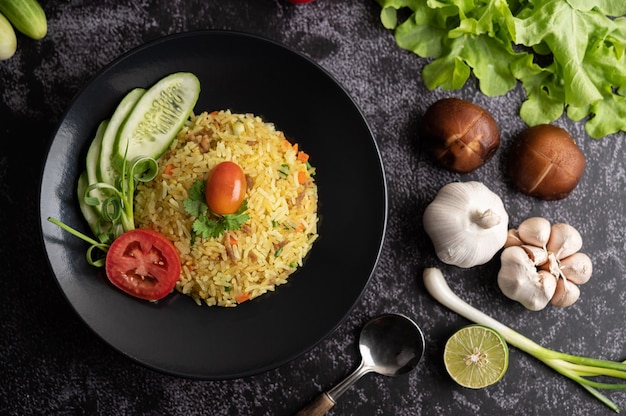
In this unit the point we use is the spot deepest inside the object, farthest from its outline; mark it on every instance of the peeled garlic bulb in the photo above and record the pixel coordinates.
(467, 224)
(541, 264)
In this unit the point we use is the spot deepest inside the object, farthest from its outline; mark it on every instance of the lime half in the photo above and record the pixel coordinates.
(476, 356)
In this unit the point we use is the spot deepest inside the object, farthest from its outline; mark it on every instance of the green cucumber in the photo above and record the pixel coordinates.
(157, 118)
(90, 213)
(27, 16)
(105, 171)
(8, 41)
(93, 154)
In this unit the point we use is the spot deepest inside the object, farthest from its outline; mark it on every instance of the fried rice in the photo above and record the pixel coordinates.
(282, 200)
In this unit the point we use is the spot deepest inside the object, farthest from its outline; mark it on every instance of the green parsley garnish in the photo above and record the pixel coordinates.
(209, 224)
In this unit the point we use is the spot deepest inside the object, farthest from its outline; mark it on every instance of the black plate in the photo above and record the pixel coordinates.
(243, 73)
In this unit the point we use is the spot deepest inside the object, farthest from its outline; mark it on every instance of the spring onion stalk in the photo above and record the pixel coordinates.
(117, 211)
(576, 368)
(142, 169)
(91, 258)
(118, 208)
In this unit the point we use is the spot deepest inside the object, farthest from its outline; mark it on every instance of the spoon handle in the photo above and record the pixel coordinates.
(318, 407)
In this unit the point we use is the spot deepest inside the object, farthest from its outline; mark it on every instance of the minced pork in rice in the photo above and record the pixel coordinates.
(281, 202)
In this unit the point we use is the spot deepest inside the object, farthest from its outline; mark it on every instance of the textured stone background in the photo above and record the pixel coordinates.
(50, 363)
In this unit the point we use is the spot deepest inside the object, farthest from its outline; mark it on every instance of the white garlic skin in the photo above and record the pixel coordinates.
(520, 280)
(564, 240)
(576, 268)
(513, 239)
(467, 224)
(536, 254)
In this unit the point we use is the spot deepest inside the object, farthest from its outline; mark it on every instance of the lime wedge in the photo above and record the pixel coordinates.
(157, 117)
(476, 356)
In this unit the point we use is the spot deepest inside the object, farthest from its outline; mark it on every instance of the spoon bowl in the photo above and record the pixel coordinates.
(390, 344)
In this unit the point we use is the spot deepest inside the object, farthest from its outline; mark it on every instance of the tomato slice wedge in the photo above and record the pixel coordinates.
(143, 263)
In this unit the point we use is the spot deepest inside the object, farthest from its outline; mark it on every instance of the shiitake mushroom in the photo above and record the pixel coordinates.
(545, 162)
(460, 135)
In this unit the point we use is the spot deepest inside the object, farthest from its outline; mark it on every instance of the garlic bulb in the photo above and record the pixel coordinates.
(542, 265)
(467, 224)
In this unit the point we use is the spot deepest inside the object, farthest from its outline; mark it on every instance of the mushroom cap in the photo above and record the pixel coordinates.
(546, 162)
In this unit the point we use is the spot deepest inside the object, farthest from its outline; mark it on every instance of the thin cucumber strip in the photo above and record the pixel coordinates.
(93, 154)
(157, 117)
(91, 214)
(106, 172)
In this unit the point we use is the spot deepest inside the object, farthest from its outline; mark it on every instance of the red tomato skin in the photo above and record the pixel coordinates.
(225, 188)
(143, 263)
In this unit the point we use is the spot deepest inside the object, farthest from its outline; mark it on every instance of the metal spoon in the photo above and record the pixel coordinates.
(390, 344)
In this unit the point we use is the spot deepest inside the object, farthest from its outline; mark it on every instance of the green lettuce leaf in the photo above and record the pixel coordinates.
(569, 55)
(566, 32)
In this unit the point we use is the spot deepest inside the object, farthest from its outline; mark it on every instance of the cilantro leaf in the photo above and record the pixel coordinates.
(207, 223)
(236, 220)
(207, 227)
(195, 205)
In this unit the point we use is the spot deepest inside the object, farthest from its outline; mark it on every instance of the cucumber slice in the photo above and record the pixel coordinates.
(90, 213)
(157, 117)
(93, 154)
(105, 171)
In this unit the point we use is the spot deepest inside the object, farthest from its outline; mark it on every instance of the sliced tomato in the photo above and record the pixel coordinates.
(143, 263)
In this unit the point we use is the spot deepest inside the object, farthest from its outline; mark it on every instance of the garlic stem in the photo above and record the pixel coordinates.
(439, 289)
(574, 367)
(486, 219)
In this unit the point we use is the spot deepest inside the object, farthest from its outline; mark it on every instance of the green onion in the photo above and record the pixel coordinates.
(283, 172)
(576, 368)
(117, 215)
(94, 261)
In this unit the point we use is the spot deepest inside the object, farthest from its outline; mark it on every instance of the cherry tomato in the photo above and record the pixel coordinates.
(143, 263)
(225, 188)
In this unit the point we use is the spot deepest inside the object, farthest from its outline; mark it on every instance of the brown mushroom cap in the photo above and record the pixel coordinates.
(546, 163)
(459, 134)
